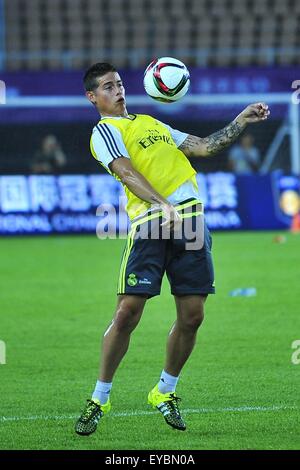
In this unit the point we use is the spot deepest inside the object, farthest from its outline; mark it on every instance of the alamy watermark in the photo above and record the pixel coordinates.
(296, 354)
(2, 352)
(149, 226)
(296, 94)
(2, 92)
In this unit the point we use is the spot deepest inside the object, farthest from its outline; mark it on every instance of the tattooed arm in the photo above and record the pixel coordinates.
(194, 146)
(204, 147)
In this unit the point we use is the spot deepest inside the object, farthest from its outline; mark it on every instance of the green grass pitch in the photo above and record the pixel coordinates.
(240, 388)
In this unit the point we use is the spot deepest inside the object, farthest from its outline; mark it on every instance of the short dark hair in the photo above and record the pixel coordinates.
(94, 72)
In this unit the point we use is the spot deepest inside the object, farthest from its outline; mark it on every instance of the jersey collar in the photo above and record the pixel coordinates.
(130, 116)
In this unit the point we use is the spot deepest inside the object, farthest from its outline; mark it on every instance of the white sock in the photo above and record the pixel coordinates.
(102, 391)
(167, 383)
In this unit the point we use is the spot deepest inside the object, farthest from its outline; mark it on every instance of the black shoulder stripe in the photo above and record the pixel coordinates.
(107, 142)
(111, 139)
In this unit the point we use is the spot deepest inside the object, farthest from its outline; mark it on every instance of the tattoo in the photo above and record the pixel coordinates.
(221, 139)
(194, 146)
(190, 146)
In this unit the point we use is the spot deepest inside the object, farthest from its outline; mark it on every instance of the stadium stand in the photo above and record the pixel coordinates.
(72, 33)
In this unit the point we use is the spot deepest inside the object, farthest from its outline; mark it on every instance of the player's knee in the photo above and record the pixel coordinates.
(127, 316)
(193, 319)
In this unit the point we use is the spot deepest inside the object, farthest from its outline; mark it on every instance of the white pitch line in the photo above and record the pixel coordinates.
(239, 409)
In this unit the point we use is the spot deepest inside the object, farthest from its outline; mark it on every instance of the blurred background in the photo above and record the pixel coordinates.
(237, 51)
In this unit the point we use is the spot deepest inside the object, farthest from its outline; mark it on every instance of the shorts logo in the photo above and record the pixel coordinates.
(132, 280)
(144, 281)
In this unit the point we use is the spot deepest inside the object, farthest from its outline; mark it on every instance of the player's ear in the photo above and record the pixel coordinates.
(91, 96)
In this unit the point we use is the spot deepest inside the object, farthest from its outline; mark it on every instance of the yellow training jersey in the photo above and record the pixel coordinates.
(152, 152)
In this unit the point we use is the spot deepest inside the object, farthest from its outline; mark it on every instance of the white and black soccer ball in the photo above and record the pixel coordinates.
(166, 79)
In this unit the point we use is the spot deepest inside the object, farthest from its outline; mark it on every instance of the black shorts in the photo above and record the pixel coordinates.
(185, 256)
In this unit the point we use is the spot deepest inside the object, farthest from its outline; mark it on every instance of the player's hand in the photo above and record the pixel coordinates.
(173, 220)
(254, 113)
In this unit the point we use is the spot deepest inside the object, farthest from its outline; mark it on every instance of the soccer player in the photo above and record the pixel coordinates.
(151, 161)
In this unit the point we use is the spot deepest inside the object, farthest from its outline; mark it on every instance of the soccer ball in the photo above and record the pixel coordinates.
(166, 79)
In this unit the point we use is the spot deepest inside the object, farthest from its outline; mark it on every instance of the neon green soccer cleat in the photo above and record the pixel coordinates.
(167, 404)
(89, 419)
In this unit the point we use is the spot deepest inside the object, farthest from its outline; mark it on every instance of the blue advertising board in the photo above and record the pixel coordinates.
(44, 204)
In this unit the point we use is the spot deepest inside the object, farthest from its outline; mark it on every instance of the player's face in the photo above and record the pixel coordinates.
(109, 96)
